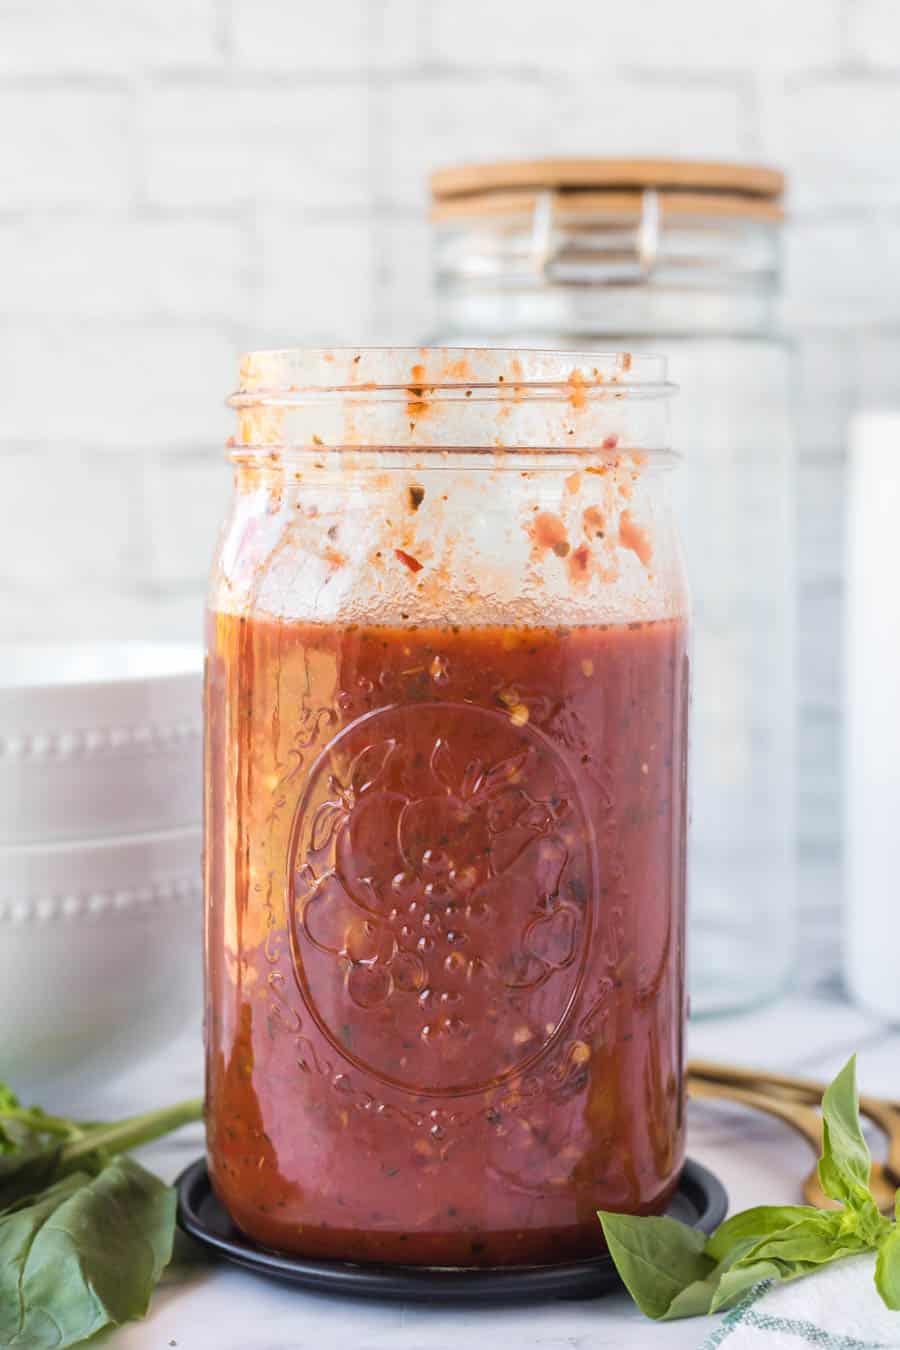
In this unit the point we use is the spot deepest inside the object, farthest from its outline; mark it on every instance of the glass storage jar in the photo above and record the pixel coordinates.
(447, 694)
(683, 258)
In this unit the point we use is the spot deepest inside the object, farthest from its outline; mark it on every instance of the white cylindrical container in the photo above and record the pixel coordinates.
(872, 716)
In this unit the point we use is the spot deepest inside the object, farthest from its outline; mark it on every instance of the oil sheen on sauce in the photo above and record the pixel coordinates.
(445, 876)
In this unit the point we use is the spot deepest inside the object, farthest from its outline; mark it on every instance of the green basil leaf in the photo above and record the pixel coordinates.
(695, 1300)
(845, 1163)
(29, 1169)
(30, 1145)
(867, 1222)
(801, 1254)
(887, 1270)
(732, 1285)
(84, 1254)
(658, 1259)
(770, 1242)
(8, 1099)
(18, 1229)
(887, 1265)
(8, 1102)
(752, 1225)
(670, 1272)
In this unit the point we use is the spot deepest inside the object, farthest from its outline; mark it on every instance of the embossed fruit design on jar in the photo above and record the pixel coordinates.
(446, 806)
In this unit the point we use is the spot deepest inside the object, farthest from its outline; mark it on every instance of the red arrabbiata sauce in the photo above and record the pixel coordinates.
(444, 934)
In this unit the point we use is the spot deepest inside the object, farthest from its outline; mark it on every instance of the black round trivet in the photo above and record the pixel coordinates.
(700, 1201)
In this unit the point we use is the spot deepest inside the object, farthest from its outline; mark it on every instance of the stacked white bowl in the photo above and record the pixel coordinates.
(100, 855)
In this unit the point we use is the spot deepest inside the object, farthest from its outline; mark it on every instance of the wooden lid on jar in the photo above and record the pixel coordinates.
(609, 187)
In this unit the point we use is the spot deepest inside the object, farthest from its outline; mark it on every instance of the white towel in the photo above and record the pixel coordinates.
(836, 1309)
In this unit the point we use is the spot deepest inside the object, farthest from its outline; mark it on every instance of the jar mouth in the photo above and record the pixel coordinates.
(443, 398)
(297, 376)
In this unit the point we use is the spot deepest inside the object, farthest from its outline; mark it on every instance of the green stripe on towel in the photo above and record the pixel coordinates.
(745, 1315)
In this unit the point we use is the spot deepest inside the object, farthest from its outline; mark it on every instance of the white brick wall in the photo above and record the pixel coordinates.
(132, 387)
(235, 141)
(270, 35)
(106, 37)
(873, 37)
(316, 273)
(185, 498)
(47, 484)
(110, 267)
(693, 35)
(180, 179)
(428, 119)
(65, 145)
(835, 134)
(840, 267)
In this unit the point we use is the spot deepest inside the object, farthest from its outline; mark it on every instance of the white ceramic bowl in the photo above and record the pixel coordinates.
(99, 739)
(99, 954)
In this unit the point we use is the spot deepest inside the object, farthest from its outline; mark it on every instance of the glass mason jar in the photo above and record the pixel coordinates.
(683, 258)
(447, 699)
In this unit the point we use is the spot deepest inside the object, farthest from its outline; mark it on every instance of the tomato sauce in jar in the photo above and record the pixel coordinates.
(445, 917)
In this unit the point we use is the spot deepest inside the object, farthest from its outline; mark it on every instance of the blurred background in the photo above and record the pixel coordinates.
(180, 182)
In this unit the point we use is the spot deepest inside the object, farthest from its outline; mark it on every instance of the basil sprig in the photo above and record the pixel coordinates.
(85, 1233)
(673, 1271)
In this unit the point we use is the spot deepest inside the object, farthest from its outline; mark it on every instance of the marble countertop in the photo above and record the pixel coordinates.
(210, 1306)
